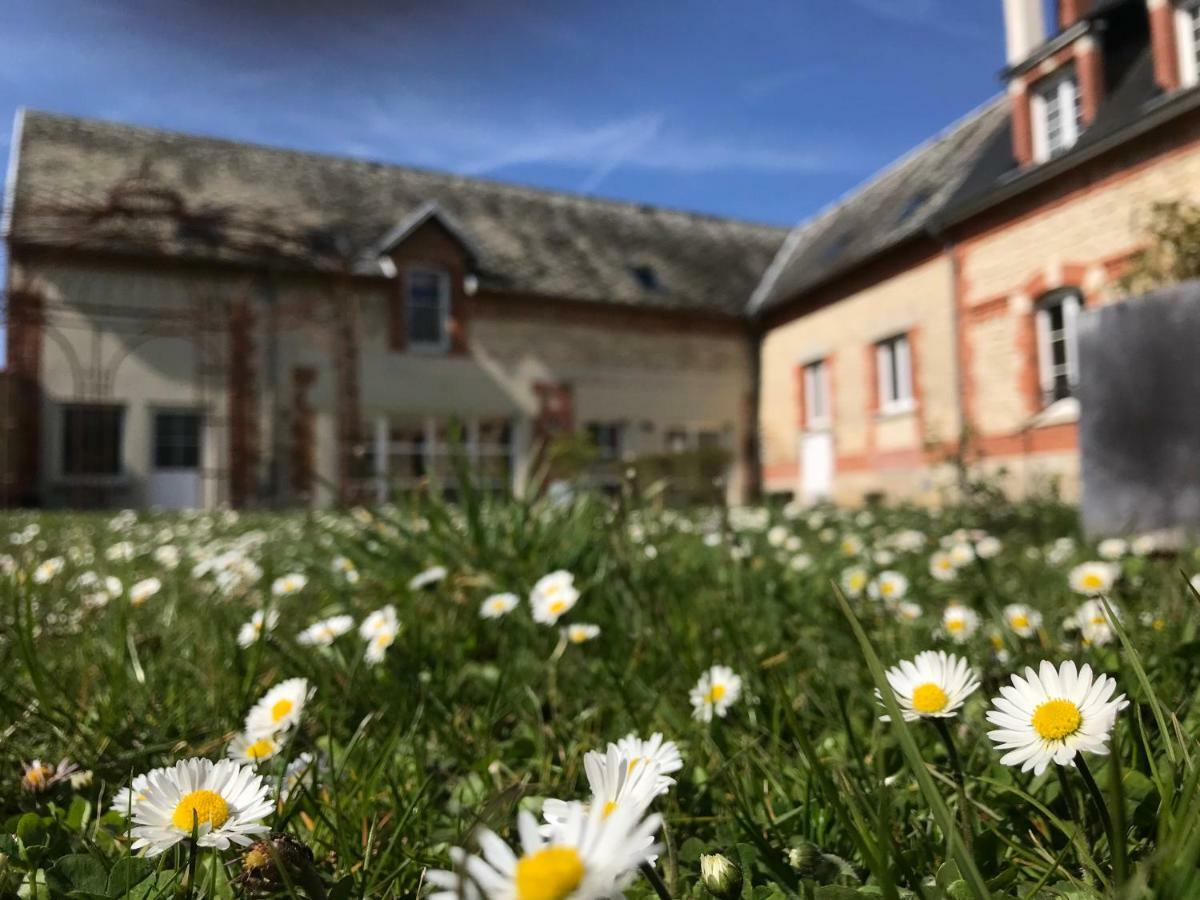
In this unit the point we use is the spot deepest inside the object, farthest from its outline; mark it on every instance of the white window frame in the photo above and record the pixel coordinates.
(816, 396)
(893, 367)
(1063, 86)
(443, 279)
(1187, 21)
(1071, 302)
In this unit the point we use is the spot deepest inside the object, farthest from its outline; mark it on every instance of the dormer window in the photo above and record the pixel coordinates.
(1057, 114)
(1187, 34)
(427, 292)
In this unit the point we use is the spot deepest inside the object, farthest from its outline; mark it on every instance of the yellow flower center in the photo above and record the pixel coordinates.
(200, 808)
(929, 698)
(956, 625)
(260, 749)
(549, 874)
(557, 606)
(1056, 719)
(1099, 620)
(281, 709)
(1020, 621)
(38, 775)
(609, 808)
(715, 693)
(498, 606)
(856, 581)
(887, 588)
(1092, 581)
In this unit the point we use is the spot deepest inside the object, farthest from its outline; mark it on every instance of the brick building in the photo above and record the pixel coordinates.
(930, 315)
(194, 321)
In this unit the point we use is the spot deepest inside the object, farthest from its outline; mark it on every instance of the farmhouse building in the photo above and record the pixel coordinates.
(198, 322)
(929, 317)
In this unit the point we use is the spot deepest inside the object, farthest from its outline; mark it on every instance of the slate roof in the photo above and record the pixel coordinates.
(895, 205)
(116, 188)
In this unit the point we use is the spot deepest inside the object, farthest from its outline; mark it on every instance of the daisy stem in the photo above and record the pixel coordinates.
(655, 881)
(1098, 802)
(191, 869)
(960, 782)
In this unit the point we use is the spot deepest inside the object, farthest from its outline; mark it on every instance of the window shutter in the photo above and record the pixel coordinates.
(1045, 359)
(1071, 337)
(904, 389)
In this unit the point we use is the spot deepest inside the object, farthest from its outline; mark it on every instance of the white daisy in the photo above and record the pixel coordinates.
(959, 622)
(280, 708)
(47, 570)
(378, 644)
(325, 632)
(498, 605)
(888, 586)
(907, 611)
(553, 596)
(1023, 619)
(1092, 578)
(854, 581)
(942, 567)
(934, 684)
(261, 621)
(345, 567)
(223, 803)
(429, 576)
(581, 633)
(144, 590)
(1112, 549)
(382, 620)
(252, 749)
(588, 856)
(616, 784)
(662, 753)
(125, 799)
(988, 547)
(851, 545)
(962, 554)
(716, 691)
(1050, 715)
(1092, 622)
(286, 585)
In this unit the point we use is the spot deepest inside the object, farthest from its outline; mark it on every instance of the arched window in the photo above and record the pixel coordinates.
(1057, 343)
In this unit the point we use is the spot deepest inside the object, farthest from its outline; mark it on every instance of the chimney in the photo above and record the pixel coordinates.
(1164, 44)
(1071, 11)
(1024, 28)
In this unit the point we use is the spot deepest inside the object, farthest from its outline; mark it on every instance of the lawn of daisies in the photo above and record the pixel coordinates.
(586, 697)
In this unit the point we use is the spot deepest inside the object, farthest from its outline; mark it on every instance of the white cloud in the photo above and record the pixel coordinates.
(446, 137)
(931, 14)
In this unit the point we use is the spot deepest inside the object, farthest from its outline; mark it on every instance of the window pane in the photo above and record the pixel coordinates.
(92, 440)
(427, 308)
(176, 440)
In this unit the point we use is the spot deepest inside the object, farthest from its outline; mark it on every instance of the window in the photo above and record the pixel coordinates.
(176, 440)
(428, 303)
(1057, 114)
(677, 440)
(893, 364)
(816, 395)
(646, 278)
(1058, 351)
(92, 437)
(606, 438)
(1187, 35)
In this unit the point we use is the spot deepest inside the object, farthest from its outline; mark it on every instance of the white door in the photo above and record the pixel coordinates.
(174, 481)
(816, 466)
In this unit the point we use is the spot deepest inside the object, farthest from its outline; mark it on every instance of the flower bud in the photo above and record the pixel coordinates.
(266, 862)
(721, 877)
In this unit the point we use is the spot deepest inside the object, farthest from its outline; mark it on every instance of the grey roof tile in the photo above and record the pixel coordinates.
(116, 188)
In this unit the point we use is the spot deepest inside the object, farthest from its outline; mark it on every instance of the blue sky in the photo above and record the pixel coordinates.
(762, 109)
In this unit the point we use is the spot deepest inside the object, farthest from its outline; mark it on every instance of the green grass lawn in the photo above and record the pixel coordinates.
(138, 649)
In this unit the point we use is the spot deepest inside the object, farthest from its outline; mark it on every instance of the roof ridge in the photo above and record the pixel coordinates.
(357, 161)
